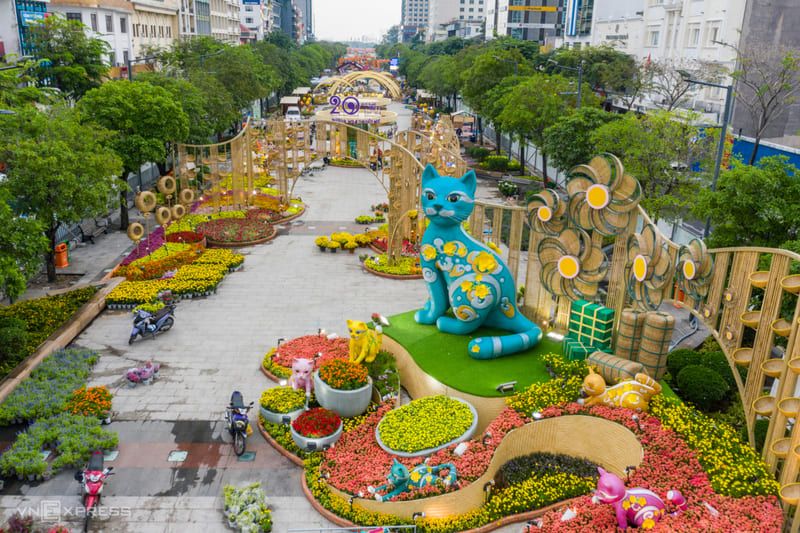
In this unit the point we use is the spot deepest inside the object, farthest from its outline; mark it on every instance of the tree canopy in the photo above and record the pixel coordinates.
(569, 140)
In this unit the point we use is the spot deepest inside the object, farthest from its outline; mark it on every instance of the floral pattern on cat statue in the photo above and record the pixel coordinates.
(465, 274)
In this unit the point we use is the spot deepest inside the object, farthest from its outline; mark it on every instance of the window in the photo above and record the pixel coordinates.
(713, 35)
(125, 56)
(653, 37)
(123, 25)
(111, 58)
(74, 16)
(109, 24)
(93, 19)
(169, 32)
(694, 36)
(248, 20)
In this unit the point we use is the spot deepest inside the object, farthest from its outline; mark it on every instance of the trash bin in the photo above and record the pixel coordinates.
(62, 260)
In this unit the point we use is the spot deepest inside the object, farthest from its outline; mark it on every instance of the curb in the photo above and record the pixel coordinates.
(215, 244)
(280, 449)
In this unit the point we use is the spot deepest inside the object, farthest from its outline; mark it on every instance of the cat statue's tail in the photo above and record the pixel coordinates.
(493, 347)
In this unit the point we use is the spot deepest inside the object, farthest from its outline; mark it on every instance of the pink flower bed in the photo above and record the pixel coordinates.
(308, 347)
(668, 463)
(357, 461)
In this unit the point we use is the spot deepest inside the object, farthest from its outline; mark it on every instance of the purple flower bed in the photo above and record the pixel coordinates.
(146, 246)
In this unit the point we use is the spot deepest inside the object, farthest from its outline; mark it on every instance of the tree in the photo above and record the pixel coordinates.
(72, 62)
(17, 88)
(600, 65)
(22, 244)
(569, 141)
(753, 205)
(667, 79)
(144, 118)
(241, 72)
(193, 101)
(59, 170)
(441, 77)
(767, 83)
(627, 81)
(534, 104)
(661, 151)
(392, 36)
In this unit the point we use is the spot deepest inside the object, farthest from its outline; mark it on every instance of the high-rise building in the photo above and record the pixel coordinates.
(154, 25)
(16, 17)
(531, 20)
(306, 8)
(415, 17)
(449, 18)
(225, 24)
(194, 18)
(255, 16)
(108, 20)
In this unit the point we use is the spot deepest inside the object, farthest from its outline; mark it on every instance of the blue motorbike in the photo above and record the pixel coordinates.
(145, 323)
(238, 423)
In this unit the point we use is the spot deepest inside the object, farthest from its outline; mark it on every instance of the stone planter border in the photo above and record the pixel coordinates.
(216, 244)
(280, 449)
(429, 451)
(390, 276)
(354, 397)
(320, 443)
(280, 418)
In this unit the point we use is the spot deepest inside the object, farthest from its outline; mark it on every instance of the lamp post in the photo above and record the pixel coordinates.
(579, 70)
(722, 135)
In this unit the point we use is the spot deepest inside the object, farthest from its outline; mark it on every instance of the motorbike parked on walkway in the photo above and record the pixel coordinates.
(238, 423)
(91, 480)
(145, 323)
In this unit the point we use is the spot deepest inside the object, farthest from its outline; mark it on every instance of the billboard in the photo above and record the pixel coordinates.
(394, 64)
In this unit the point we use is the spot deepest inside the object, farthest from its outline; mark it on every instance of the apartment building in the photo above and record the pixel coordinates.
(306, 10)
(154, 25)
(414, 18)
(108, 20)
(16, 17)
(531, 20)
(447, 18)
(256, 17)
(194, 18)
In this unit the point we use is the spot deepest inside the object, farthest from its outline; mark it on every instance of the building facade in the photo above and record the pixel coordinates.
(225, 16)
(108, 20)
(16, 17)
(414, 18)
(256, 17)
(154, 25)
(531, 20)
(306, 8)
(194, 18)
(456, 16)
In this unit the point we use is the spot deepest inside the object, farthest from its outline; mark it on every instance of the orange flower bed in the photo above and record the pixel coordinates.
(92, 401)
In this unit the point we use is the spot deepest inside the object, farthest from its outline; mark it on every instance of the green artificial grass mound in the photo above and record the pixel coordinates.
(445, 357)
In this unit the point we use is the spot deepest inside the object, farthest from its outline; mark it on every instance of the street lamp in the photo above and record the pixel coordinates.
(687, 77)
(579, 70)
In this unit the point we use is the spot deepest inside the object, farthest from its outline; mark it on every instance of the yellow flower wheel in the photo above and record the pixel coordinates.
(546, 213)
(695, 267)
(601, 196)
(571, 265)
(649, 268)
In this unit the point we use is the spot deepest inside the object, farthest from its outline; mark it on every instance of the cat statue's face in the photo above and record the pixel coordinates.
(357, 329)
(447, 201)
(398, 473)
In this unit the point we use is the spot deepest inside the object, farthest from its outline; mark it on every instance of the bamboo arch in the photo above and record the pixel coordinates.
(385, 80)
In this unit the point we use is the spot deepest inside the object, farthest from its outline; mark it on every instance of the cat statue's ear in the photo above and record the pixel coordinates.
(429, 174)
(470, 182)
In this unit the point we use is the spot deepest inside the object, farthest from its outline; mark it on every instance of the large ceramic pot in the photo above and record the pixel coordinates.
(346, 403)
(310, 444)
(280, 418)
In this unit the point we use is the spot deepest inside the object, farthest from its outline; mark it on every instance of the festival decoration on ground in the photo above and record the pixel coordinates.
(301, 375)
(601, 196)
(572, 264)
(400, 479)
(695, 267)
(635, 507)
(466, 275)
(649, 270)
(364, 342)
(634, 394)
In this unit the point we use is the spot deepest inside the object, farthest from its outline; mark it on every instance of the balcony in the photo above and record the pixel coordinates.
(673, 5)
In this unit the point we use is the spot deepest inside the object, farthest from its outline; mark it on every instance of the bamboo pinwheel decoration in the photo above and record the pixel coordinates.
(695, 267)
(601, 196)
(572, 265)
(649, 269)
(546, 213)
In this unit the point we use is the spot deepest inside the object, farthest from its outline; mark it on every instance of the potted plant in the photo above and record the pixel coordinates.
(322, 243)
(333, 246)
(281, 405)
(350, 246)
(344, 387)
(316, 429)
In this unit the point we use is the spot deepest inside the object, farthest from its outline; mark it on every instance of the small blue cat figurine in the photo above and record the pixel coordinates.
(401, 480)
(464, 274)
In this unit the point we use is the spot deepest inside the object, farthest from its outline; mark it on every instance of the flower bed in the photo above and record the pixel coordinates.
(317, 423)
(246, 508)
(341, 374)
(425, 423)
(368, 219)
(234, 231)
(346, 163)
(406, 267)
(220, 256)
(279, 362)
(41, 318)
(409, 248)
(168, 257)
(283, 399)
(92, 401)
(185, 237)
(146, 246)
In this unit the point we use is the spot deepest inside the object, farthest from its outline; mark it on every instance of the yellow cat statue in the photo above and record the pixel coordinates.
(364, 342)
(631, 394)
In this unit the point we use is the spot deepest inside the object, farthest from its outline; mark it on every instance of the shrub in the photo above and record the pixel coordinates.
(514, 165)
(12, 342)
(496, 162)
(717, 362)
(507, 188)
(538, 464)
(677, 359)
(479, 153)
(702, 386)
(759, 433)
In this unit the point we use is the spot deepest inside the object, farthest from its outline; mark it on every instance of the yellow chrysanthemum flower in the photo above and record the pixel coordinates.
(485, 262)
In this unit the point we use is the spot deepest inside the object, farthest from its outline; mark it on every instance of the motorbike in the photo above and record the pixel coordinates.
(145, 323)
(238, 423)
(91, 480)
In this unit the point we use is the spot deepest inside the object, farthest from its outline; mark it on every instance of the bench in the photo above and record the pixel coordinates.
(91, 228)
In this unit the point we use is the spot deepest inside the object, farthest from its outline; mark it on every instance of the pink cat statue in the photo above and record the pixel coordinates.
(636, 507)
(301, 375)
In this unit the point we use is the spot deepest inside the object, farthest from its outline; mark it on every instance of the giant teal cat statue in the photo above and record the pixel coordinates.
(464, 274)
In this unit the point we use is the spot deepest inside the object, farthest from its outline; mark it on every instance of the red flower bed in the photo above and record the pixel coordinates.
(317, 423)
(308, 346)
(234, 230)
(668, 463)
(409, 248)
(357, 461)
(188, 237)
(264, 215)
(343, 375)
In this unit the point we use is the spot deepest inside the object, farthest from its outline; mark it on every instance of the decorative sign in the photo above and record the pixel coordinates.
(548, 9)
(394, 64)
(350, 105)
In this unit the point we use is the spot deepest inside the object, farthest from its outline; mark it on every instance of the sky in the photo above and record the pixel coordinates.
(344, 20)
